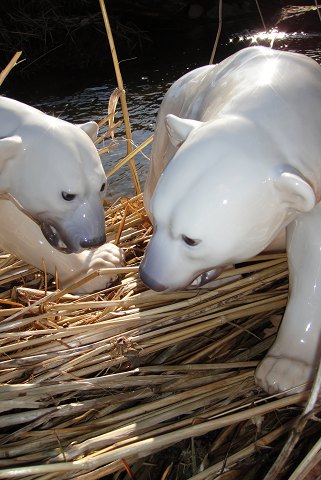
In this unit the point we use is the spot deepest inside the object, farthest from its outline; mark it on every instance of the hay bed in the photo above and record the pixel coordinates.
(101, 384)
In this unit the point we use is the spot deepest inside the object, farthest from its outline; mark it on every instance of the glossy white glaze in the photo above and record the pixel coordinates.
(236, 160)
(54, 172)
(292, 359)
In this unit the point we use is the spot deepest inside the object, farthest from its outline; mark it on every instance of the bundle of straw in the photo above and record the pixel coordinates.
(99, 384)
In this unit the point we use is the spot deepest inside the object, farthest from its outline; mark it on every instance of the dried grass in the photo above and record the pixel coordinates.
(125, 373)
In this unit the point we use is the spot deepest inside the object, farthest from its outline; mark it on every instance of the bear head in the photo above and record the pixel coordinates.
(53, 173)
(222, 199)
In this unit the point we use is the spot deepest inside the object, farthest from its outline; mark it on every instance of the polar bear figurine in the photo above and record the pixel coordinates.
(236, 160)
(52, 174)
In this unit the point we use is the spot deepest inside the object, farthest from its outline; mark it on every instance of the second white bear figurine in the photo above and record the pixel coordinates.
(53, 170)
(237, 159)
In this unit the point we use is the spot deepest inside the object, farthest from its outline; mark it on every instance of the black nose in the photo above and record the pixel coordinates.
(150, 282)
(93, 242)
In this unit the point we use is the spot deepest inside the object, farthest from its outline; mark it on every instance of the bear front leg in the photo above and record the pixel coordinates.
(295, 354)
(87, 262)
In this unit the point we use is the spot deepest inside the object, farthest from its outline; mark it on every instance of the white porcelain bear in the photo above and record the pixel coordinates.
(53, 171)
(241, 143)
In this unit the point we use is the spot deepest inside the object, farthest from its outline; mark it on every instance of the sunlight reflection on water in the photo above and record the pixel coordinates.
(300, 42)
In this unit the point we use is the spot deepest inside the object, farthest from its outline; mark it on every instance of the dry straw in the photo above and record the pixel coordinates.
(126, 373)
(13, 62)
(130, 384)
(122, 94)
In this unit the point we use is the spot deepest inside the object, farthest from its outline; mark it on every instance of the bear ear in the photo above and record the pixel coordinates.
(179, 128)
(296, 192)
(91, 128)
(10, 147)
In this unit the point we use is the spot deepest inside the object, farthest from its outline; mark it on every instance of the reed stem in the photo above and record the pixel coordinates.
(122, 95)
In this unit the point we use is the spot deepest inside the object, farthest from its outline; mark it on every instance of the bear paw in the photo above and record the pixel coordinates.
(105, 256)
(277, 375)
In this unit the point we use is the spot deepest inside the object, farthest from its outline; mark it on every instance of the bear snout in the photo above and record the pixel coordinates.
(93, 242)
(150, 282)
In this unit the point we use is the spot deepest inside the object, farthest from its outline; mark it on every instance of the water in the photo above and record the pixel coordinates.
(143, 95)
(144, 92)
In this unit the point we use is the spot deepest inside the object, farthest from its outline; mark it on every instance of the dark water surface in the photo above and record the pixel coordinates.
(145, 89)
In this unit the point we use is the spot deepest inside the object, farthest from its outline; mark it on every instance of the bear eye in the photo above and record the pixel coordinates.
(103, 187)
(190, 241)
(68, 196)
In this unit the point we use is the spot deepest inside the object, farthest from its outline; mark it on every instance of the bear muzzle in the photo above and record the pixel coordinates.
(53, 237)
(70, 244)
(150, 282)
(83, 229)
(93, 242)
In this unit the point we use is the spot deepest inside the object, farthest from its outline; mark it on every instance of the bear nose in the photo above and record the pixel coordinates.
(150, 282)
(93, 242)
